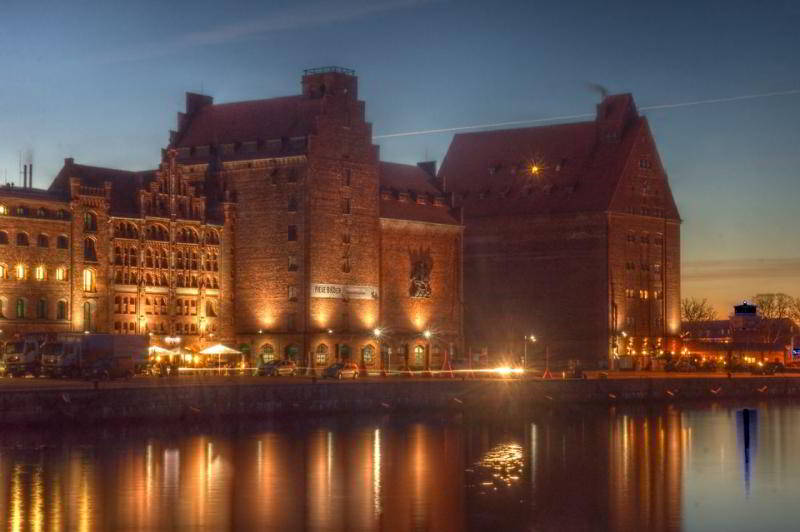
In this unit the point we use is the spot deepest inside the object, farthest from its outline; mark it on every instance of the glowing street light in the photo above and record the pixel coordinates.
(427, 334)
(377, 332)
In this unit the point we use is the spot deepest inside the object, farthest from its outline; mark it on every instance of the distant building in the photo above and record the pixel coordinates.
(744, 335)
(270, 225)
(571, 235)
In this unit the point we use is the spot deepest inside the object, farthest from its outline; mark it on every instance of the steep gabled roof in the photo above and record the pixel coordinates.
(273, 118)
(124, 184)
(401, 186)
(555, 169)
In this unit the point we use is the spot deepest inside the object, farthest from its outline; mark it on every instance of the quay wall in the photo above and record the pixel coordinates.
(217, 402)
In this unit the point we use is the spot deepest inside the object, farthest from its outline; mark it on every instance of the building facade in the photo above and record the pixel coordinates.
(270, 225)
(571, 237)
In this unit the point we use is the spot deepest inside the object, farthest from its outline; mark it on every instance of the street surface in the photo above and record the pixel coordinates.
(212, 379)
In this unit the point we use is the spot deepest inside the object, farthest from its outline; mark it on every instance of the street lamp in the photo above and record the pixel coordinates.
(531, 339)
(377, 332)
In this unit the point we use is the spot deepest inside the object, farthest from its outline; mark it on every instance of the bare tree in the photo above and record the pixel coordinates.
(694, 310)
(775, 311)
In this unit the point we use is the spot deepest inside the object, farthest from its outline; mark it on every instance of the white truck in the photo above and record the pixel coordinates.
(98, 355)
(22, 356)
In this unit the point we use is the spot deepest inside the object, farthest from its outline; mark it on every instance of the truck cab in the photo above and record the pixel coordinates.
(61, 358)
(22, 357)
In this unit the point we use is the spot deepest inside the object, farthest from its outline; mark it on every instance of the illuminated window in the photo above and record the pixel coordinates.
(21, 271)
(3, 271)
(292, 293)
(88, 280)
(367, 354)
(39, 273)
(89, 221)
(643, 294)
(321, 354)
(419, 355)
(3, 209)
(267, 353)
(292, 263)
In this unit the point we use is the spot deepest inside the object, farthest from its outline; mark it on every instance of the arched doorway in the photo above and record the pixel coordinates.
(292, 352)
(266, 353)
(344, 352)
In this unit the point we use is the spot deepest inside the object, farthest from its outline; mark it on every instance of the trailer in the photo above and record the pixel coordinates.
(97, 355)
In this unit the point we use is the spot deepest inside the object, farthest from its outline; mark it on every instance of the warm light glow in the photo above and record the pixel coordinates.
(88, 280)
(427, 334)
(535, 169)
(377, 332)
(61, 274)
(505, 371)
(20, 271)
(39, 272)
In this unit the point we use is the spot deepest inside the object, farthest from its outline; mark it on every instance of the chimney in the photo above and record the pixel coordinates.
(30, 175)
(614, 114)
(24, 176)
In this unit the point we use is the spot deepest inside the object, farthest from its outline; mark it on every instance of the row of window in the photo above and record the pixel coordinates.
(42, 309)
(645, 267)
(644, 238)
(40, 272)
(41, 212)
(181, 281)
(158, 259)
(42, 241)
(129, 327)
(643, 294)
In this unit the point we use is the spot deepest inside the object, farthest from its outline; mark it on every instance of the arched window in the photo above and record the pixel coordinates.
(20, 308)
(419, 356)
(89, 250)
(3, 271)
(42, 241)
(41, 309)
(148, 258)
(88, 280)
(62, 242)
(210, 310)
(321, 355)
(3, 238)
(21, 272)
(40, 273)
(134, 257)
(89, 221)
(267, 353)
(368, 354)
(61, 310)
(22, 239)
(179, 260)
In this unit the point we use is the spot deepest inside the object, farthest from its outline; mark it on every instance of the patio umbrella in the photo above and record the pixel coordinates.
(156, 350)
(219, 350)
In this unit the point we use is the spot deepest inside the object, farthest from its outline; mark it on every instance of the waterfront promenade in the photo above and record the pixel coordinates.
(219, 398)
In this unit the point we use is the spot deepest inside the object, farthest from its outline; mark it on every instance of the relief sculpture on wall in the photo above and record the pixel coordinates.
(421, 266)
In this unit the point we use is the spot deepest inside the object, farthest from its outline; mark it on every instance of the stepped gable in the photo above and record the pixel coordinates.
(410, 193)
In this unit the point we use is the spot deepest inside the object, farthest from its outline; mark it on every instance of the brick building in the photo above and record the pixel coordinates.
(571, 235)
(269, 224)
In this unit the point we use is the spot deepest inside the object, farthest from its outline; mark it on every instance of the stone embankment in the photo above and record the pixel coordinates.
(216, 402)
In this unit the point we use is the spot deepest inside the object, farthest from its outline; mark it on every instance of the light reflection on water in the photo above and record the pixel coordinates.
(623, 468)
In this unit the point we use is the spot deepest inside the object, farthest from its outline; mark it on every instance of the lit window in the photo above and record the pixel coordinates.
(88, 280)
(39, 273)
(2, 271)
(292, 293)
(535, 169)
(367, 354)
(267, 353)
(3, 209)
(292, 263)
(21, 271)
(643, 294)
(322, 354)
(419, 355)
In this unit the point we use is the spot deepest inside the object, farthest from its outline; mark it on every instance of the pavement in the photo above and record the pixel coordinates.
(207, 379)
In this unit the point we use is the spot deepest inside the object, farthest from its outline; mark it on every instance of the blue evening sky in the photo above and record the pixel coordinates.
(101, 81)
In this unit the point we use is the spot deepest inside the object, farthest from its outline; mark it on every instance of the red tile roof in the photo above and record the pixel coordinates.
(273, 118)
(491, 171)
(412, 182)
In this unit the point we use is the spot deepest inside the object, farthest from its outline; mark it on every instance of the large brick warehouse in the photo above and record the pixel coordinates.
(272, 225)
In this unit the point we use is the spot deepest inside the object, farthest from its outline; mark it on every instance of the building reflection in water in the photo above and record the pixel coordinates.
(587, 469)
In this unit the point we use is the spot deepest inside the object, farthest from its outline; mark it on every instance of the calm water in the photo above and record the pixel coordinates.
(628, 468)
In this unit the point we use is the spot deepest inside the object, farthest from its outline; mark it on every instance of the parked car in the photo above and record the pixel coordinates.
(279, 368)
(768, 368)
(341, 370)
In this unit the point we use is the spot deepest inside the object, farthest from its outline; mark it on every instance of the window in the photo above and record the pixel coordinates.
(292, 263)
(40, 273)
(21, 272)
(657, 268)
(267, 353)
(20, 308)
(645, 267)
(291, 321)
(89, 221)
(645, 163)
(21, 211)
(292, 233)
(3, 210)
(292, 293)
(346, 205)
(22, 239)
(292, 207)
(291, 175)
(3, 271)
(659, 239)
(321, 355)
(88, 280)
(367, 354)
(87, 316)
(41, 309)
(643, 294)
(345, 238)
(419, 356)
(89, 251)
(62, 242)
(346, 177)
(61, 310)
(630, 292)
(42, 241)
(3, 238)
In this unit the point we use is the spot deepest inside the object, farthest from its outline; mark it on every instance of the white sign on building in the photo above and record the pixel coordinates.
(343, 291)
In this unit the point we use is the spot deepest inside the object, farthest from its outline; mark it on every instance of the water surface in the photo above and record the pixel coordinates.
(697, 467)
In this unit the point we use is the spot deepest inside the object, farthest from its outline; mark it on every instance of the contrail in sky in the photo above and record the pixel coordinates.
(587, 115)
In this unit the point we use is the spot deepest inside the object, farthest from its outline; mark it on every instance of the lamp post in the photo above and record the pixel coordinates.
(427, 335)
(531, 339)
(377, 332)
